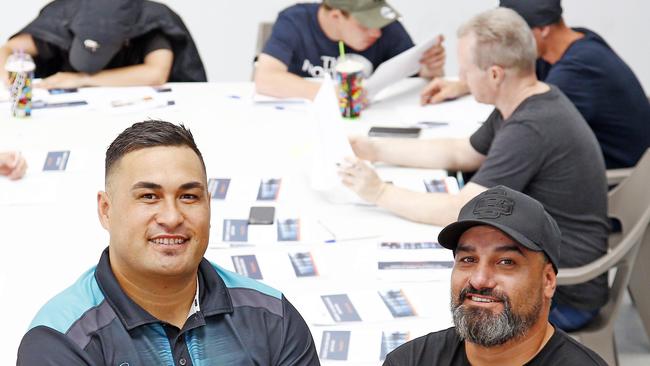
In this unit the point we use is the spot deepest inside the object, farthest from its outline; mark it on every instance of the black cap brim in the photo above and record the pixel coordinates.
(450, 235)
(85, 60)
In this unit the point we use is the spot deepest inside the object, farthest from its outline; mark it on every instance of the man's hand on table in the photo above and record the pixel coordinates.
(357, 175)
(440, 89)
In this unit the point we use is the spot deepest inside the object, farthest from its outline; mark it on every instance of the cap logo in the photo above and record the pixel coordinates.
(387, 12)
(492, 205)
(91, 45)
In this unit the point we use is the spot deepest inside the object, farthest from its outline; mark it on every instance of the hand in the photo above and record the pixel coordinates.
(12, 164)
(433, 60)
(440, 90)
(361, 178)
(64, 80)
(363, 148)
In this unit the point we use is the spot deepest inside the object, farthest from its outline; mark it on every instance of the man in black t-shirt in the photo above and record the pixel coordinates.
(535, 141)
(506, 250)
(99, 43)
(304, 43)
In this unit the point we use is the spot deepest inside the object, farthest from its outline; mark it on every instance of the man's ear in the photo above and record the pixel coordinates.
(544, 31)
(497, 74)
(103, 209)
(550, 280)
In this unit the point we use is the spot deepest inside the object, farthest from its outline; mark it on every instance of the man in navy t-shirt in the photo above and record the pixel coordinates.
(304, 43)
(598, 82)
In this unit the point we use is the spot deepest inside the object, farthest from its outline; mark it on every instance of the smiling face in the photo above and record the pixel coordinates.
(157, 212)
(499, 288)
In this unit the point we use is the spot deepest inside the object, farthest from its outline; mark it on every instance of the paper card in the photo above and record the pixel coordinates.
(390, 265)
(246, 265)
(397, 303)
(235, 230)
(288, 230)
(303, 264)
(341, 308)
(335, 345)
(218, 188)
(396, 245)
(56, 160)
(269, 189)
(391, 340)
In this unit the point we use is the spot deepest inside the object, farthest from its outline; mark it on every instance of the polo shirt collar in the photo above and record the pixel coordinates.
(213, 294)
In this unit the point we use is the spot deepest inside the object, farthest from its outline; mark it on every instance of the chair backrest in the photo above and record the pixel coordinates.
(631, 198)
(263, 34)
(629, 202)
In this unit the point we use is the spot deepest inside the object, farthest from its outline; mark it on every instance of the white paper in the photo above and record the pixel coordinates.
(401, 66)
(331, 145)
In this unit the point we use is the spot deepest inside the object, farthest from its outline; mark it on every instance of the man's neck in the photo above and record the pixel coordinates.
(558, 41)
(168, 299)
(515, 352)
(515, 91)
(326, 24)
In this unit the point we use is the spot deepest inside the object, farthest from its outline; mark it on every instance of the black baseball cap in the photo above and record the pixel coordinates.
(101, 27)
(537, 13)
(521, 217)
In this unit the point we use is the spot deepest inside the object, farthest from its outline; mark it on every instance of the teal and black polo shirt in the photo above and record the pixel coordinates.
(239, 322)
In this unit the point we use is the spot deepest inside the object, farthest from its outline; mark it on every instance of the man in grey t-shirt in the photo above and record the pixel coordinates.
(535, 142)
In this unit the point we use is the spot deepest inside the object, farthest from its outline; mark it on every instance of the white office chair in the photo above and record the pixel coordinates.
(629, 202)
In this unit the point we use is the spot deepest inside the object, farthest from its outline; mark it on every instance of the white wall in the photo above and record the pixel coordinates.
(225, 31)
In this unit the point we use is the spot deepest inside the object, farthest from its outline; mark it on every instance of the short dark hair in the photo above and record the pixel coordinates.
(150, 133)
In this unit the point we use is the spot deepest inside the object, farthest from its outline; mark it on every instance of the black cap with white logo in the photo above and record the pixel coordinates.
(101, 27)
(521, 217)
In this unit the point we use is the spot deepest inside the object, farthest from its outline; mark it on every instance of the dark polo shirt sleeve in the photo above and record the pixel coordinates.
(297, 345)
(44, 346)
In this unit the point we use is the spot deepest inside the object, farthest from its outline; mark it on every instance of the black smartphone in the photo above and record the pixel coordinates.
(412, 132)
(261, 215)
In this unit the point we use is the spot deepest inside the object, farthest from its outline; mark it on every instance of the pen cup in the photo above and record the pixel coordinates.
(20, 67)
(349, 76)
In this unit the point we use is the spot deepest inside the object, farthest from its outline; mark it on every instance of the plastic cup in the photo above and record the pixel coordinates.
(349, 75)
(21, 74)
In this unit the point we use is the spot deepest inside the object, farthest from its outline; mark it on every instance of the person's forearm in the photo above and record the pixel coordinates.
(429, 208)
(128, 76)
(431, 154)
(283, 84)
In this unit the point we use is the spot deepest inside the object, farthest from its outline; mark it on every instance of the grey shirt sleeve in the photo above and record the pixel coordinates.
(513, 158)
(297, 346)
(44, 346)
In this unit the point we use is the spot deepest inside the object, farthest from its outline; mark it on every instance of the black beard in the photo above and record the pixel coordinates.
(483, 327)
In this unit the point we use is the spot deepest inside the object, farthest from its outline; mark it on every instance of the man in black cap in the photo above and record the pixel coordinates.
(506, 249)
(304, 43)
(78, 43)
(581, 64)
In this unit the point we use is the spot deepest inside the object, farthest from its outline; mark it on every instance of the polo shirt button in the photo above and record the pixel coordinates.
(182, 362)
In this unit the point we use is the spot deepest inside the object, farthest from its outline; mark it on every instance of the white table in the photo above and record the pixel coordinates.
(51, 233)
